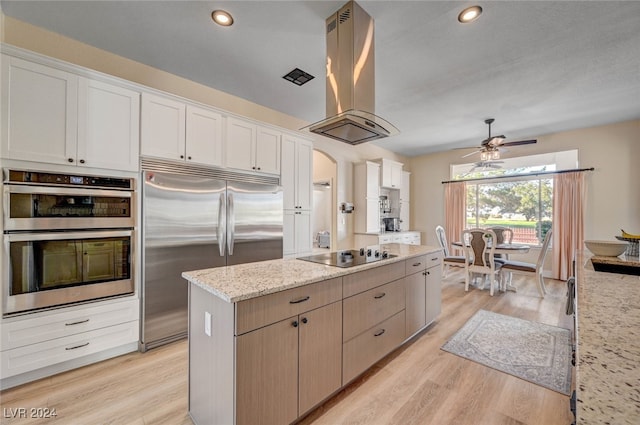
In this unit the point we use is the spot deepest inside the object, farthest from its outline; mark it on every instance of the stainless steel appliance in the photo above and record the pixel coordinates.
(195, 219)
(350, 257)
(67, 239)
(391, 224)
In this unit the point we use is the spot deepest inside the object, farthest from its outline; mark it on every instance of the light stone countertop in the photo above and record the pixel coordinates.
(245, 281)
(608, 372)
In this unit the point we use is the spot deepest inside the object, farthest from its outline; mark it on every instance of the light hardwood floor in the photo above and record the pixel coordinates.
(417, 384)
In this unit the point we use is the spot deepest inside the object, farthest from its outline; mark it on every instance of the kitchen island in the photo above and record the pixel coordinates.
(608, 352)
(271, 340)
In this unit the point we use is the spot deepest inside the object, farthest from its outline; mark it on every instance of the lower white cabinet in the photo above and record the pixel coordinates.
(48, 339)
(296, 230)
(409, 238)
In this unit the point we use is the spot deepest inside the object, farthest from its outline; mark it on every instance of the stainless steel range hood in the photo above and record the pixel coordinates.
(351, 79)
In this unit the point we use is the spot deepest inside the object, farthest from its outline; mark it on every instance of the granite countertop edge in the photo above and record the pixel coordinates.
(250, 280)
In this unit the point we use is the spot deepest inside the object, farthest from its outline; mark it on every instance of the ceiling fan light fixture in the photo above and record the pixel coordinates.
(469, 14)
(222, 17)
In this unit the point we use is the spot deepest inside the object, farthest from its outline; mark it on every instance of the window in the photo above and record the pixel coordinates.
(519, 199)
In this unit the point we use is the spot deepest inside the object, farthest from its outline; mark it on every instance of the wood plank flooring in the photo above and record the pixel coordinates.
(417, 384)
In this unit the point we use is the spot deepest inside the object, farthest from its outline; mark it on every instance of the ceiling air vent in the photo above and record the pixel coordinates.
(298, 77)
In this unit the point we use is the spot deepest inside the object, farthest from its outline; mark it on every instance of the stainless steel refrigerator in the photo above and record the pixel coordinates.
(194, 222)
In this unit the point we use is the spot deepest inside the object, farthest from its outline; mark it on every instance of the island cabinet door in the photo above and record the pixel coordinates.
(320, 359)
(415, 303)
(267, 374)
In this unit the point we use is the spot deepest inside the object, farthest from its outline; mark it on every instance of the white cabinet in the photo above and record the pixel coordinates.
(297, 240)
(366, 191)
(297, 172)
(173, 130)
(408, 238)
(251, 147)
(391, 176)
(108, 126)
(405, 201)
(54, 116)
(296, 176)
(50, 338)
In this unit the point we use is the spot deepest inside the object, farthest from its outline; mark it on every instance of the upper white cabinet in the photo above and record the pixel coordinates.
(297, 170)
(53, 116)
(391, 176)
(171, 129)
(109, 126)
(252, 147)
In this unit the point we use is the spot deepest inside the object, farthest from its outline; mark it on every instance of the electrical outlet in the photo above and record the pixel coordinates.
(207, 323)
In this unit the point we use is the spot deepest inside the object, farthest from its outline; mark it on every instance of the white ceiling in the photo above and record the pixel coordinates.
(538, 67)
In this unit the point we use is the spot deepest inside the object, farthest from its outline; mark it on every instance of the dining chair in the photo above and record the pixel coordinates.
(448, 260)
(503, 235)
(530, 269)
(479, 250)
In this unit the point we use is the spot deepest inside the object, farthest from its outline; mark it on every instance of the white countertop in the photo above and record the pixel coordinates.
(608, 373)
(245, 281)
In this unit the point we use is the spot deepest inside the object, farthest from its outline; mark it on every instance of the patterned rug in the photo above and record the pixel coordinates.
(531, 351)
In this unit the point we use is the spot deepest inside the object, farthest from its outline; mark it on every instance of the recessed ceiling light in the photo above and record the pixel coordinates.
(221, 17)
(470, 14)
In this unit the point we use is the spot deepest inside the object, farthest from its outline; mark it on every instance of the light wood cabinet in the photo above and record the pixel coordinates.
(173, 130)
(79, 121)
(416, 296)
(251, 147)
(433, 292)
(423, 291)
(391, 174)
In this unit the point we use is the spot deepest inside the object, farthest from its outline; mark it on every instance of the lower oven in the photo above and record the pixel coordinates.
(67, 239)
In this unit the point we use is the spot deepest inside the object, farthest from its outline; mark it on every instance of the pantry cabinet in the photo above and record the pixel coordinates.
(172, 129)
(296, 231)
(251, 147)
(80, 121)
(366, 177)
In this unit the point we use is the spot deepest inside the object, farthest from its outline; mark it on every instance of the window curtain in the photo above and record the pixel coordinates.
(569, 193)
(455, 209)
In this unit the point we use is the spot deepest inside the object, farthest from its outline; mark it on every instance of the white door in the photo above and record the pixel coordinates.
(39, 112)
(108, 126)
(162, 127)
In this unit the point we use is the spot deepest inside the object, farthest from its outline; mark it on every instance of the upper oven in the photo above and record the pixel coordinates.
(67, 239)
(46, 201)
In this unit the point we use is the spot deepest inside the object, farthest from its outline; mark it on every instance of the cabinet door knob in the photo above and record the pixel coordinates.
(259, 168)
(189, 158)
(181, 156)
(294, 323)
(82, 161)
(304, 320)
(70, 159)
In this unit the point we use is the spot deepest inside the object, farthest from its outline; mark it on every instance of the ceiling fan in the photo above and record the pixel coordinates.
(490, 147)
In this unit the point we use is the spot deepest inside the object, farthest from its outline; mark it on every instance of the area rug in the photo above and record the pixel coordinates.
(531, 351)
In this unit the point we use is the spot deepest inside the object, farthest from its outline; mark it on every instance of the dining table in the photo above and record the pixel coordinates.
(506, 248)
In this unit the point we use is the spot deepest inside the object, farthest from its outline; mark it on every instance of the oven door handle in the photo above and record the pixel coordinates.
(65, 191)
(55, 236)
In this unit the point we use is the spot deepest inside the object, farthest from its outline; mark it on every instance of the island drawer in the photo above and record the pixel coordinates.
(364, 310)
(262, 311)
(418, 264)
(356, 283)
(367, 348)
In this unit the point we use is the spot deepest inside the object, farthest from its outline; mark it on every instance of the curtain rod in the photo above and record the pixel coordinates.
(510, 176)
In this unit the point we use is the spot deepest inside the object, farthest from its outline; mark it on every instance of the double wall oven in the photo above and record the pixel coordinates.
(67, 239)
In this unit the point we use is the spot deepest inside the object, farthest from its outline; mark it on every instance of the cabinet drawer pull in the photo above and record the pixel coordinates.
(300, 300)
(380, 332)
(77, 346)
(434, 259)
(77, 323)
(377, 297)
(416, 264)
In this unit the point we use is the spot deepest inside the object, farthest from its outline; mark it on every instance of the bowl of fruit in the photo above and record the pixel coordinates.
(633, 240)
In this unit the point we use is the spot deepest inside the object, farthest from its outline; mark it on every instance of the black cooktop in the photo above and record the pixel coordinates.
(348, 258)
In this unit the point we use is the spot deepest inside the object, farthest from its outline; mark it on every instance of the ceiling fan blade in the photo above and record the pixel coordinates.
(519, 142)
(471, 153)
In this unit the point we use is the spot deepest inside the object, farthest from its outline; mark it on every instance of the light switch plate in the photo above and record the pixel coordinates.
(207, 323)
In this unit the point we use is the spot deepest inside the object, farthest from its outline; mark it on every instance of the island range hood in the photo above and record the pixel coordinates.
(351, 79)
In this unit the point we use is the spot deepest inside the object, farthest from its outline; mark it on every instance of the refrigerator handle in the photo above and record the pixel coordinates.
(222, 227)
(231, 222)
